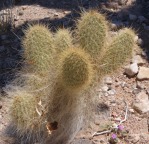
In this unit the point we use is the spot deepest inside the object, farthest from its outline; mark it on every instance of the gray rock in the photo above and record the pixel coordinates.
(136, 91)
(123, 84)
(106, 94)
(112, 92)
(143, 73)
(140, 42)
(116, 24)
(105, 88)
(132, 17)
(108, 80)
(142, 102)
(138, 59)
(142, 96)
(132, 69)
(140, 85)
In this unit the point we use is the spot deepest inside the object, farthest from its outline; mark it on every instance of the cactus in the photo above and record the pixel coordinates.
(24, 114)
(39, 51)
(74, 72)
(118, 51)
(63, 40)
(75, 68)
(91, 32)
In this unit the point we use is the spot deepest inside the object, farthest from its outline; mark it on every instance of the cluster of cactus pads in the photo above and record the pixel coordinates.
(69, 65)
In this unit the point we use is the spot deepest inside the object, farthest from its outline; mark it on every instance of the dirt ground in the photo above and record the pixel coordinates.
(111, 108)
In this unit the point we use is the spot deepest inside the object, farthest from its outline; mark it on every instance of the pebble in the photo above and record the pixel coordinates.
(132, 69)
(140, 42)
(136, 38)
(138, 59)
(56, 14)
(131, 110)
(143, 73)
(105, 88)
(141, 104)
(140, 85)
(112, 92)
(108, 80)
(136, 91)
(123, 84)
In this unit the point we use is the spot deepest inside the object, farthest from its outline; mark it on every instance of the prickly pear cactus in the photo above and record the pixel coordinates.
(76, 69)
(63, 40)
(91, 32)
(117, 52)
(38, 48)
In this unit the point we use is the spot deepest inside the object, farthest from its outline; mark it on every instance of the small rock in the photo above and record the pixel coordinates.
(123, 84)
(142, 96)
(136, 38)
(138, 59)
(67, 12)
(113, 26)
(139, 85)
(142, 103)
(118, 119)
(97, 121)
(111, 92)
(143, 53)
(140, 42)
(136, 91)
(143, 73)
(105, 88)
(0, 106)
(131, 110)
(108, 80)
(132, 17)
(16, 18)
(132, 69)
(56, 14)
(106, 94)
